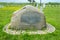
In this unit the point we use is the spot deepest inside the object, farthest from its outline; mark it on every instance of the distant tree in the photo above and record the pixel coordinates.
(33, 2)
(29, 1)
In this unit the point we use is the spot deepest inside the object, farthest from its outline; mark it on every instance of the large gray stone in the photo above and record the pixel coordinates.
(28, 17)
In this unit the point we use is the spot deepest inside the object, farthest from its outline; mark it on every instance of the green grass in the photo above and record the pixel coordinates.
(52, 16)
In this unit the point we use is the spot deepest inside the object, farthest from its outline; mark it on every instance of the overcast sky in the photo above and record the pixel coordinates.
(21, 1)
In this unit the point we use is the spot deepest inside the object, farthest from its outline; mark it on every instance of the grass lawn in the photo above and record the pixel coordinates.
(52, 16)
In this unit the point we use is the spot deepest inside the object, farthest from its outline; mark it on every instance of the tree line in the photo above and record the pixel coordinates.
(33, 2)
